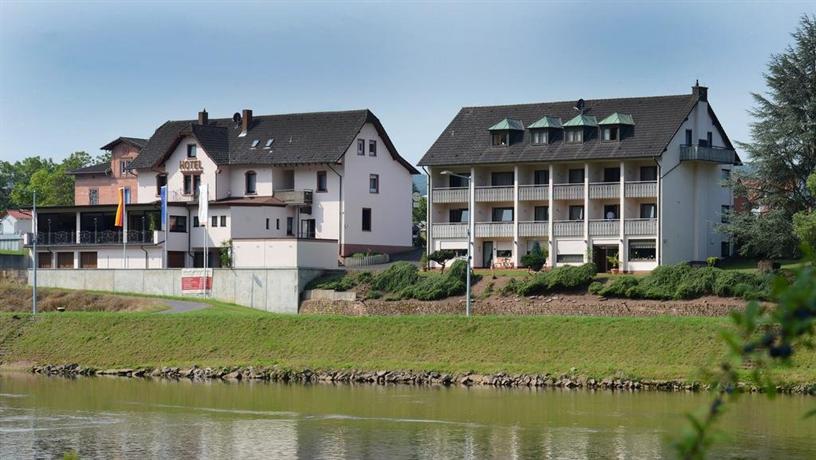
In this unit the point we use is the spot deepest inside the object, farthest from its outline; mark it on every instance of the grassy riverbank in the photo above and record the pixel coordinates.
(645, 348)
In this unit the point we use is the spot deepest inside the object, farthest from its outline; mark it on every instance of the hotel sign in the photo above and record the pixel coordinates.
(190, 165)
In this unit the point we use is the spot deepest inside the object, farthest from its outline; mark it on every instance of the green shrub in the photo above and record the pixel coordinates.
(535, 259)
(442, 257)
(728, 281)
(435, 287)
(335, 282)
(396, 277)
(696, 283)
(558, 279)
(374, 294)
(595, 287)
(617, 287)
(713, 261)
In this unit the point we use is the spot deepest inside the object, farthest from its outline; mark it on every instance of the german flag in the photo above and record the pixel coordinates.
(120, 209)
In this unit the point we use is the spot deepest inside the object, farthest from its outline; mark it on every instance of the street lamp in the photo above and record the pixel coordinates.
(469, 237)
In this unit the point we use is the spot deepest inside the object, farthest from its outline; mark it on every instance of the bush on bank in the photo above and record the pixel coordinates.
(568, 278)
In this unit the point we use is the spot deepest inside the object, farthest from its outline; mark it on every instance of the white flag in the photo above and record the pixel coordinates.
(203, 204)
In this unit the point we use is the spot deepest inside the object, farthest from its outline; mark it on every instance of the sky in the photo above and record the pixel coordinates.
(74, 76)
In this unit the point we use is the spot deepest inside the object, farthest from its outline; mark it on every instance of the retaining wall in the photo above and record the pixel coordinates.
(274, 290)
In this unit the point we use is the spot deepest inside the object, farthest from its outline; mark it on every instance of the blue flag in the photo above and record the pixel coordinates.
(163, 194)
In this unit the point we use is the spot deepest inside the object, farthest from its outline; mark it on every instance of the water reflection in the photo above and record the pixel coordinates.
(111, 418)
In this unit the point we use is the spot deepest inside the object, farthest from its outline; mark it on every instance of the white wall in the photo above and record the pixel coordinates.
(175, 178)
(284, 253)
(263, 180)
(251, 221)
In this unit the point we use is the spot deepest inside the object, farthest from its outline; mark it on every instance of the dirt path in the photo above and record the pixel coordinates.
(183, 306)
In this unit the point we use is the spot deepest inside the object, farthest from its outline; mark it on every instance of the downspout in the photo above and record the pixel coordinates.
(339, 213)
(660, 210)
(427, 212)
(189, 235)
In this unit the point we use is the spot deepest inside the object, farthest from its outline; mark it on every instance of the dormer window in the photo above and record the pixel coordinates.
(615, 126)
(574, 136)
(255, 143)
(544, 130)
(580, 128)
(540, 136)
(506, 132)
(500, 139)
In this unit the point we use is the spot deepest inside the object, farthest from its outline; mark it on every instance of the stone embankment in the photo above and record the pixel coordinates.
(274, 374)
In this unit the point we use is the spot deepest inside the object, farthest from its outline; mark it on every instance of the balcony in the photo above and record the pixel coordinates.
(712, 154)
(610, 227)
(494, 229)
(91, 238)
(534, 229)
(450, 195)
(303, 197)
(604, 190)
(646, 189)
(534, 192)
(641, 227)
(485, 194)
(568, 192)
(450, 230)
(568, 228)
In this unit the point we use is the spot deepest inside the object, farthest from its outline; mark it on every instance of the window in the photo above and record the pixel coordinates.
(267, 223)
(214, 220)
(725, 175)
(161, 181)
(610, 134)
(250, 180)
(269, 143)
(504, 253)
(725, 249)
(611, 174)
(569, 258)
(366, 219)
(709, 139)
(501, 179)
(223, 221)
(373, 183)
(277, 224)
(642, 250)
(124, 167)
(372, 148)
(576, 176)
(255, 143)
(502, 214)
(321, 181)
(65, 260)
(541, 177)
(689, 137)
(611, 212)
(725, 210)
(191, 184)
(191, 150)
(93, 196)
(178, 224)
(540, 136)
(648, 173)
(195, 221)
(500, 139)
(458, 215)
(541, 213)
(574, 136)
(360, 146)
(648, 211)
(126, 194)
(458, 182)
(576, 213)
(290, 223)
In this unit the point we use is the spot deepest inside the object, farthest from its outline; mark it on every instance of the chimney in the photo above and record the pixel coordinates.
(700, 91)
(202, 117)
(246, 120)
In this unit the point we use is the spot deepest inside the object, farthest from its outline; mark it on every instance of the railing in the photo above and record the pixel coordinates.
(534, 192)
(450, 195)
(647, 227)
(702, 153)
(646, 189)
(568, 228)
(604, 190)
(489, 193)
(91, 237)
(568, 192)
(294, 196)
(494, 229)
(537, 228)
(451, 230)
(365, 261)
(604, 227)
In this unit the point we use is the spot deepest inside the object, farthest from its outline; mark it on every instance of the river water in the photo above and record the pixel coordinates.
(42, 417)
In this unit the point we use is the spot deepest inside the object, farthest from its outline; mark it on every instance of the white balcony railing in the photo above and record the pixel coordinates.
(534, 192)
(568, 192)
(532, 229)
(703, 153)
(604, 227)
(646, 189)
(570, 228)
(450, 195)
(494, 229)
(450, 230)
(640, 227)
(604, 190)
(503, 193)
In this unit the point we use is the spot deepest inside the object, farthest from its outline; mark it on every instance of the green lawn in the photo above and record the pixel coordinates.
(661, 347)
(750, 265)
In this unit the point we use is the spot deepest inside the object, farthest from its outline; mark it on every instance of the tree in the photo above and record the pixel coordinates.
(767, 235)
(535, 259)
(51, 181)
(442, 257)
(804, 222)
(420, 210)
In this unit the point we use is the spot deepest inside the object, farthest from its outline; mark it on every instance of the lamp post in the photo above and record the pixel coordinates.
(469, 238)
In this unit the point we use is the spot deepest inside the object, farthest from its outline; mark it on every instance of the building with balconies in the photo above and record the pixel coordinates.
(640, 180)
(279, 187)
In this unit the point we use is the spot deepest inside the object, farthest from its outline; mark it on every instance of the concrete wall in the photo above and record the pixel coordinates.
(284, 253)
(272, 290)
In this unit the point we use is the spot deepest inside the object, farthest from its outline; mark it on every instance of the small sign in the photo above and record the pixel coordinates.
(190, 165)
(196, 281)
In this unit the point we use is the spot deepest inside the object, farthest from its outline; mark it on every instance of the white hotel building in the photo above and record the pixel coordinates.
(295, 190)
(640, 178)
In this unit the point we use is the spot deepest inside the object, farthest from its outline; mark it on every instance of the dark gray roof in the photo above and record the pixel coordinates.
(100, 168)
(134, 141)
(467, 140)
(299, 138)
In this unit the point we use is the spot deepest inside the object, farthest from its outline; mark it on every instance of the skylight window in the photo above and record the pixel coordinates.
(269, 143)
(255, 143)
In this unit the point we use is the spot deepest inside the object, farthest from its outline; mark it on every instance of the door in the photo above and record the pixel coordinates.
(307, 228)
(487, 254)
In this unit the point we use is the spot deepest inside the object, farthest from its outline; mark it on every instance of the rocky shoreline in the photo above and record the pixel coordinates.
(382, 377)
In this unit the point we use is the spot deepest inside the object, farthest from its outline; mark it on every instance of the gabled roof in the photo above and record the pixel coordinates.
(465, 141)
(300, 138)
(99, 168)
(582, 120)
(618, 119)
(19, 214)
(134, 141)
(507, 124)
(547, 122)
